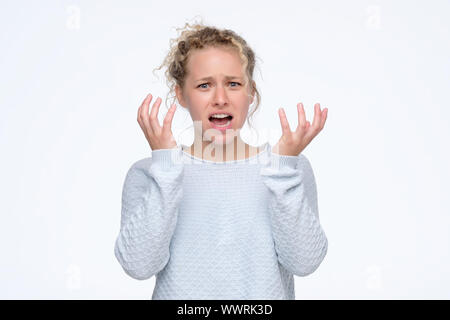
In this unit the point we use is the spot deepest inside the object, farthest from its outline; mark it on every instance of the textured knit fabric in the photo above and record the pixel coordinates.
(238, 229)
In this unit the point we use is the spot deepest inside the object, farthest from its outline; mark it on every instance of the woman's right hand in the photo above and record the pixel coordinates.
(157, 137)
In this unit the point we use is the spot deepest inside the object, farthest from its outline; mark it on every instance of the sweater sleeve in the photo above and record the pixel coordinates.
(300, 242)
(150, 200)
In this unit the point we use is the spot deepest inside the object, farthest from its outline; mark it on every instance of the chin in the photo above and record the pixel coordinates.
(218, 138)
(221, 140)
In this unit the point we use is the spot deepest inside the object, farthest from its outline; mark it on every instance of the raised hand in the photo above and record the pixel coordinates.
(292, 143)
(157, 137)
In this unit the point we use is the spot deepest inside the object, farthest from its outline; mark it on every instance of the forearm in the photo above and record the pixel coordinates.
(300, 242)
(150, 204)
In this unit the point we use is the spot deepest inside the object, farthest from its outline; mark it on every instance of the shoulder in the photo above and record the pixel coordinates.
(165, 158)
(306, 171)
(143, 163)
(138, 169)
(303, 162)
(299, 162)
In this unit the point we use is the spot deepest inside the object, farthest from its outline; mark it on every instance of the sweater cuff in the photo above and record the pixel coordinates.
(167, 158)
(279, 161)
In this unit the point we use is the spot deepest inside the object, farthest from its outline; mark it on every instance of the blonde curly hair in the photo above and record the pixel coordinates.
(198, 36)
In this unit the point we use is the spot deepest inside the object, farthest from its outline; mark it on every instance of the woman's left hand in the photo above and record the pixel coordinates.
(292, 143)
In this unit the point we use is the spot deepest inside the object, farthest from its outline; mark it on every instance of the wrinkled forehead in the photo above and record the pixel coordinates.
(215, 64)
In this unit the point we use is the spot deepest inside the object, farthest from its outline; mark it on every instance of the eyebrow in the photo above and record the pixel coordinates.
(211, 78)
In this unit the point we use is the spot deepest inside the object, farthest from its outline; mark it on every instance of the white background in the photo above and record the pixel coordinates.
(73, 74)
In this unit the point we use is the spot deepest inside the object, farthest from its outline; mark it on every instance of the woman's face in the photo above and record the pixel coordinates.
(215, 83)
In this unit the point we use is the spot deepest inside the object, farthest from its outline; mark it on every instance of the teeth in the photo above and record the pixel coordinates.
(220, 115)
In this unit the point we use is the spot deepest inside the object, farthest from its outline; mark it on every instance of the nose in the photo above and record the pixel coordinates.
(220, 96)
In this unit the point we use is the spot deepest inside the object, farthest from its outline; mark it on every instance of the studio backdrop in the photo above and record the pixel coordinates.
(73, 74)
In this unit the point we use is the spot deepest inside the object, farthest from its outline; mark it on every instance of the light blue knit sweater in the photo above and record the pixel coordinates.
(220, 230)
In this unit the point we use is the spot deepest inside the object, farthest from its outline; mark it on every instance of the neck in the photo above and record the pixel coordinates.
(236, 149)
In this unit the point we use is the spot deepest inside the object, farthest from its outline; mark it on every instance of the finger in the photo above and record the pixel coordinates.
(143, 111)
(147, 97)
(167, 125)
(284, 123)
(154, 123)
(143, 102)
(317, 117)
(324, 118)
(301, 117)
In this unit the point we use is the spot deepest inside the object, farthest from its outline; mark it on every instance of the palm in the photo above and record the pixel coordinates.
(292, 143)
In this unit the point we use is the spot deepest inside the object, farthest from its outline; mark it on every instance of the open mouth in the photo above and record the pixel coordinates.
(221, 122)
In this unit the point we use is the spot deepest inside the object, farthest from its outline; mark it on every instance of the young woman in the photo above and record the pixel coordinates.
(220, 219)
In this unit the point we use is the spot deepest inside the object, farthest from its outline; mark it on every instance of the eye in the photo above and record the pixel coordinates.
(202, 85)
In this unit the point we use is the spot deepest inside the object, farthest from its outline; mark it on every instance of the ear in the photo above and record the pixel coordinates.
(179, 94)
